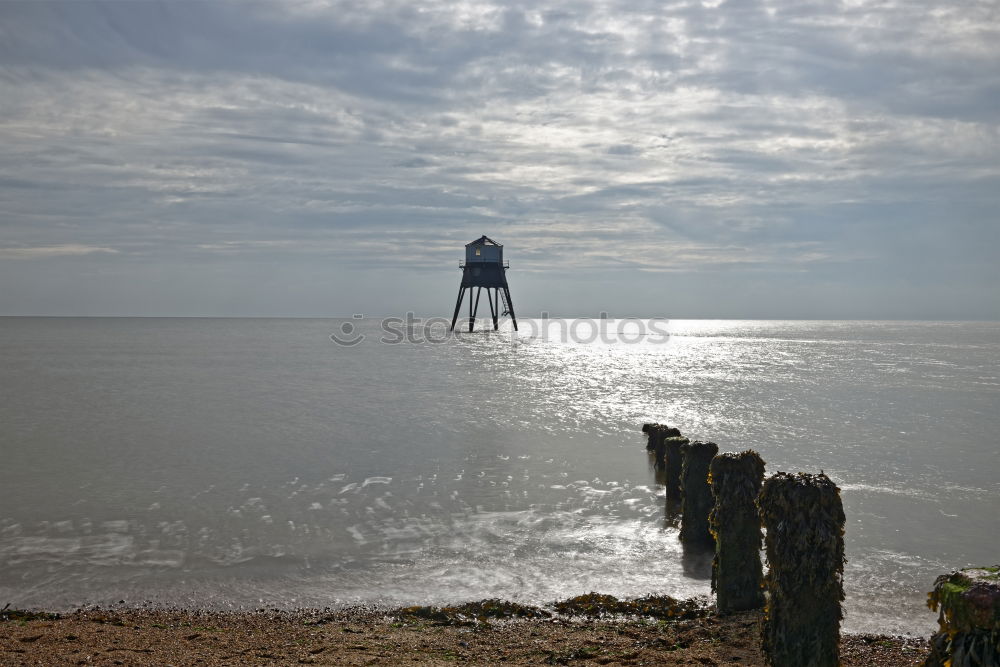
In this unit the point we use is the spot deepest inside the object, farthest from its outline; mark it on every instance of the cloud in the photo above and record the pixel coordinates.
(43, 252)
(736, 136)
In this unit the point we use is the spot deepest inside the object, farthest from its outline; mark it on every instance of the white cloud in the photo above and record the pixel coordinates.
(710, 136)
(44, 252)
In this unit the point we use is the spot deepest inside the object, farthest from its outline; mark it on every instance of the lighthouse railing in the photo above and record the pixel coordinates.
(505, 264)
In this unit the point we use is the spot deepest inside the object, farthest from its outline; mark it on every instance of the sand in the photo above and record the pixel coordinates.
(131, 636)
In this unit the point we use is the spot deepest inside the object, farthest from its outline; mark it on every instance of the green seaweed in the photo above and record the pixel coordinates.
(473, 612)
(596, 605)
(593, 605)
(23, 615)
(968, 602)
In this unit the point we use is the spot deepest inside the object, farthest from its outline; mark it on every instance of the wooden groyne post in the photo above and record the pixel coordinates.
(696, 494)
(656, 434)
(969, 618)
(665, 443)
(804, 519)
(673, 462)
(737, 576)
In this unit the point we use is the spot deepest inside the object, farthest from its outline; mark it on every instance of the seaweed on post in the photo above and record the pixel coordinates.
(804, 519)
(737, 577)
(655, 434)
(968, 620)
(696, 495)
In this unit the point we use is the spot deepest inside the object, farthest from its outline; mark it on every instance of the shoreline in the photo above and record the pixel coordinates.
(590, 629)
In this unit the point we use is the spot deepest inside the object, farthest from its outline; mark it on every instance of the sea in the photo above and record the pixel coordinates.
(240, 464)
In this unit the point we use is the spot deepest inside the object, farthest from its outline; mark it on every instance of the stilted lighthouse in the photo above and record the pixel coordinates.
(484, 267)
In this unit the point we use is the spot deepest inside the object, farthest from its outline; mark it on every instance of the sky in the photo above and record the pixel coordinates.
(706, 159)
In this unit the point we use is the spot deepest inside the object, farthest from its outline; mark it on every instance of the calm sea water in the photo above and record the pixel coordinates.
(246, 463)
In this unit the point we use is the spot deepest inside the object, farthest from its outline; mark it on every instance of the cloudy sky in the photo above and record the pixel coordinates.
(771, 158)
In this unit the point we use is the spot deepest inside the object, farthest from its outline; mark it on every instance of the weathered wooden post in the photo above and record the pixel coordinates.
(969, 619)
(696, 495)
(664, 442)
(737, 578)
(804, 519)
(672, 464)
(656, 434)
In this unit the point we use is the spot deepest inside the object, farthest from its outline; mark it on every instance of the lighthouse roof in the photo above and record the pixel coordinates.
(483, 240)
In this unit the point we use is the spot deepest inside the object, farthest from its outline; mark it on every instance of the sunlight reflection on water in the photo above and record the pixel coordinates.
(253, 462)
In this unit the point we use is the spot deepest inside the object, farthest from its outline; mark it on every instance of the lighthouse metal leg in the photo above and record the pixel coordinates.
(510, 306)
(493, 308)
(473, 311)
(458, 305)
(496, 309)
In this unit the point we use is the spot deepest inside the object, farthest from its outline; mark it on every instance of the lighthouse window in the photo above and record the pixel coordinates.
(478, 251)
